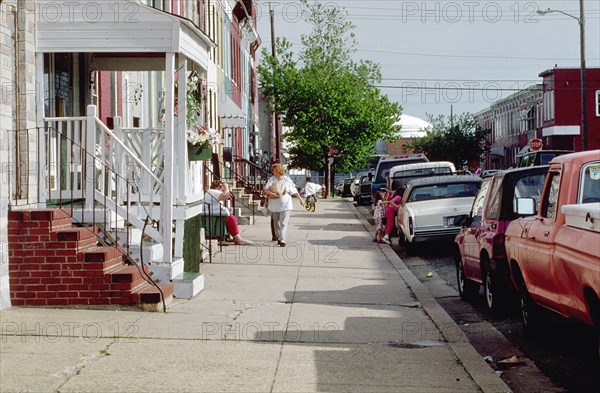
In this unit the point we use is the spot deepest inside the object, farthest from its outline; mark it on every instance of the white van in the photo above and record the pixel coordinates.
(401, 174)
(386, 163)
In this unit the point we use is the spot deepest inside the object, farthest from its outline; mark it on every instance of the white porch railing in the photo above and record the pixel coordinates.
(122, 170)
(87, 161)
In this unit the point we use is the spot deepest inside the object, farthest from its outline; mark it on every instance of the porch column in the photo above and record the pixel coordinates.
(166, 203)
(90, 157)
(43, 170)
(181, 143)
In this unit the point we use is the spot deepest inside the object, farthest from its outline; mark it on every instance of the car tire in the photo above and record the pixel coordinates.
(466, 288)
(492, 291)
(532, 316)
(410, 247)
(401, 238)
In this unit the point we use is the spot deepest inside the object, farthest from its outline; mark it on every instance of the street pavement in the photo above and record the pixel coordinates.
(330, 312)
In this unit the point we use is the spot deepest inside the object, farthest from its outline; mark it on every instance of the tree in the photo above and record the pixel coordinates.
(326, 99)
(458, 140)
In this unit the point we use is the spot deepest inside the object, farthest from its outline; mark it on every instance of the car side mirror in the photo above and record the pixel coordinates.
(524, 206)
(462, 221)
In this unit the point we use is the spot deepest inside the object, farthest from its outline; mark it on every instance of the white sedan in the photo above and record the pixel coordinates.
(429, 206)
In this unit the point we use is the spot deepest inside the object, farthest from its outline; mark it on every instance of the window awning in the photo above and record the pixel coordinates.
(231, 115)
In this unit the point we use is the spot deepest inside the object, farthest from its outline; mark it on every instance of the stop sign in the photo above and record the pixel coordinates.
(535, 144)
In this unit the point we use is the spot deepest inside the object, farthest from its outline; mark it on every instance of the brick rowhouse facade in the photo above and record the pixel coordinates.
(550, 111)
(18, 89)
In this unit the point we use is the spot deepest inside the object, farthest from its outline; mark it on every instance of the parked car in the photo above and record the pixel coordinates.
(338, 187)
(346, 188)
(488, 172)
(554, 255)
(363, 189)
(386, 163)
(430, 205)
(480, 254)
(400, 175)
(360, 178)
(540, 157)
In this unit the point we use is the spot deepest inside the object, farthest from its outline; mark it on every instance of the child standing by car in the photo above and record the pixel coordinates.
(379, 216)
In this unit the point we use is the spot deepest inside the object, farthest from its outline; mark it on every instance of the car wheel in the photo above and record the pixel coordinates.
(531, 313)
(466, 288)
(401, 238)
(410, 246)
(598, 339)
(492, 291)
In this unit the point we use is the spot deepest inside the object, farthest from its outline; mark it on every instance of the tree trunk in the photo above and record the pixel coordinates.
(327, 174)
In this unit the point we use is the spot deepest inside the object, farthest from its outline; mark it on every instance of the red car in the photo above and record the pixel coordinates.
(480, 255)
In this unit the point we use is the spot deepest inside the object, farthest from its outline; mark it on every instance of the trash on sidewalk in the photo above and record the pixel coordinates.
(502, 364)
(430, 274)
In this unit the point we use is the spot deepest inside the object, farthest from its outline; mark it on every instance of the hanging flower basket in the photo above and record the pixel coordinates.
(200, 143)
(199, 153)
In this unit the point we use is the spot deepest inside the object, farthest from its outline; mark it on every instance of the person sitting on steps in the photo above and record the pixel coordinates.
(218, 193)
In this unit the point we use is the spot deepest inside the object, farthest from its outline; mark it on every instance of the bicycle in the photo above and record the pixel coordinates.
(310, 204)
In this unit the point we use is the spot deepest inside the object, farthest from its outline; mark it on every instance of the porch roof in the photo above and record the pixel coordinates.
(116, 27)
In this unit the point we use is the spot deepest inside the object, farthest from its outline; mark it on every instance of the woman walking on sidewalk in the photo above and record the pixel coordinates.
(280, 189)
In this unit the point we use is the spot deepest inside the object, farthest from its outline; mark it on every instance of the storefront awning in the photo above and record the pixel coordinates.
(230, 114)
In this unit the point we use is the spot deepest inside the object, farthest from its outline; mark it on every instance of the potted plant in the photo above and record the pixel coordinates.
(200, 142)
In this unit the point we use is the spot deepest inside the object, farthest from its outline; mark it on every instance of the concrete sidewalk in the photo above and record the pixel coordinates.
(329, 312)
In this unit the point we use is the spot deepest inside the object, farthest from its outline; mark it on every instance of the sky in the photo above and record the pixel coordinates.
(459, 56)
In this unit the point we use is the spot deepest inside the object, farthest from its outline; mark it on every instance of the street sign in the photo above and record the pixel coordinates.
(535, 144)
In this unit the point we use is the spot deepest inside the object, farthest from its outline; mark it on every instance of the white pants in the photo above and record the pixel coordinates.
(281, 220)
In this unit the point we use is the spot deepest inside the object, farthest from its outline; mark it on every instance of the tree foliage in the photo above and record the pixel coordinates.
(327, 100)
(458, 140)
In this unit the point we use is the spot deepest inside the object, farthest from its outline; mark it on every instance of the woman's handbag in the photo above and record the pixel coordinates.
(265, 208)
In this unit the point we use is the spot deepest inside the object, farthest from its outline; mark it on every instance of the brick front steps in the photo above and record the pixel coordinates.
(52, 263)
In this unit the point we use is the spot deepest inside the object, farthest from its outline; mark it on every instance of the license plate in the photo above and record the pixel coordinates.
(449, 221)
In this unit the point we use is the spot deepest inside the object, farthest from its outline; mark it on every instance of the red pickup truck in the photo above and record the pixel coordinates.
(554, 255)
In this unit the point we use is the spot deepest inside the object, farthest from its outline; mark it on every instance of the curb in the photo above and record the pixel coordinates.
(476, 367)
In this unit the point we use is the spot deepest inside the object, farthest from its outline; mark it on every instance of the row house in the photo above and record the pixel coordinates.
(550, 111)
(93, 119)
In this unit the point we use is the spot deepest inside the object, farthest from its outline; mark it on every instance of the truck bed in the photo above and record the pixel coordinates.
(583, 215)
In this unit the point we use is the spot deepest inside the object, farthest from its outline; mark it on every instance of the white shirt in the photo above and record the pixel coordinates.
(283, 203)
(311, 188)
(211, 198)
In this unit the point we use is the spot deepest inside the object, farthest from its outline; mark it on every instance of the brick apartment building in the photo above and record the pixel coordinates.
(550, 111)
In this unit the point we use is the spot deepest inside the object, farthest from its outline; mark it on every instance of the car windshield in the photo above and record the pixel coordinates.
(442, 191)
(401, 178)
(383, 170)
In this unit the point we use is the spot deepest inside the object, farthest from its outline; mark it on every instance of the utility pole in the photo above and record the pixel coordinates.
(584, 129)
(274, 118)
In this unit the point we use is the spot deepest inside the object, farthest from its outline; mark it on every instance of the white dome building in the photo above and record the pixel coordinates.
(412, 127)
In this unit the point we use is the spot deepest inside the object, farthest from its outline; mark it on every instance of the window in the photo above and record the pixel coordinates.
(551, 196)
(597, 102)
(589, 189)
(530, 187)
(477, 210)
